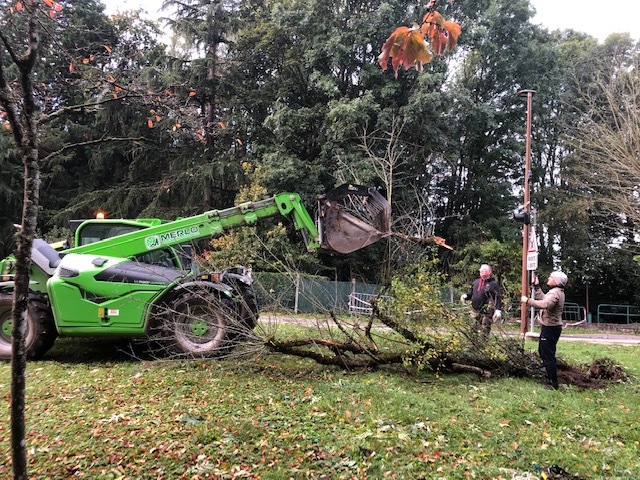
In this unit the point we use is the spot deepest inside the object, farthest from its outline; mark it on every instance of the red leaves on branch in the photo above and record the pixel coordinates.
(54, 7)
(5, 123)
(443, 34)
(406, 46)
(409, 47)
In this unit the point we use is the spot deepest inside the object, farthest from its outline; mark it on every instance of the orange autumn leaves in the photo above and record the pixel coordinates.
(53, 7)
(408, 47)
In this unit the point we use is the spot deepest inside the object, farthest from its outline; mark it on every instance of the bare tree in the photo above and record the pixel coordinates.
(19, 105)
(606, 162)
(386, 154)
(21, 114)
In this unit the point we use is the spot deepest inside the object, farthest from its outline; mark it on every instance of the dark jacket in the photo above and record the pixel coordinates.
(485, 295)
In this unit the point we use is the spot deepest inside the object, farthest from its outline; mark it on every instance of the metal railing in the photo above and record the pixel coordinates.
(360, 303)
(574, 313)
(608, 313)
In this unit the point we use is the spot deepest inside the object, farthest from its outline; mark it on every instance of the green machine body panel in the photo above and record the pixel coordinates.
(99, 295)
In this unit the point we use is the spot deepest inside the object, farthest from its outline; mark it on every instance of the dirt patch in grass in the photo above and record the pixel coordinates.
(600, 373)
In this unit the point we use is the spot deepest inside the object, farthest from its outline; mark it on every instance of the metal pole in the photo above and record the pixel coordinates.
(532, 310)
(532, 276)
(295, 301)
(527, 208)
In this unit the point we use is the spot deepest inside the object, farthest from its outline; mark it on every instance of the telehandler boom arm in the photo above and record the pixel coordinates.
(349, 218)
(209, 224)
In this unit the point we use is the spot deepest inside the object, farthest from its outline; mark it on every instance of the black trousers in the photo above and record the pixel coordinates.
(549, 337)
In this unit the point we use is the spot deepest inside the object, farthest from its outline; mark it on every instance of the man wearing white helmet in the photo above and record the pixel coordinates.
(551, 321)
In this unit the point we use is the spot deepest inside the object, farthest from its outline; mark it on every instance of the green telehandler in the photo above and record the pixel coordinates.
(131, 278)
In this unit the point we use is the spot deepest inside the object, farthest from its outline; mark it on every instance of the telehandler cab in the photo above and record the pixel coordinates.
(130, 279)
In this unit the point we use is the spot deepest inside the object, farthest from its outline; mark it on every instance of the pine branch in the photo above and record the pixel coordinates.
(96, 141)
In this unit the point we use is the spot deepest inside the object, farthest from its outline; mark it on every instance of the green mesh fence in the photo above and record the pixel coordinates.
(298, 294)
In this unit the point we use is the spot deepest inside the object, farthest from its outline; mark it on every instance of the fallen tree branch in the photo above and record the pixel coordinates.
(395, 326)
(331, 345)
(351, 337)
(339, 357)
(460, 368)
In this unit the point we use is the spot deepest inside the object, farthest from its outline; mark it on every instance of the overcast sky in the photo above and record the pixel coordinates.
(596, 17)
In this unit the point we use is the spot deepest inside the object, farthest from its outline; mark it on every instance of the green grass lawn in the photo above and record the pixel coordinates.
(94, 413)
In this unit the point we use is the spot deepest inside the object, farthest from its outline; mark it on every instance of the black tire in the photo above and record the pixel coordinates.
(249, 308)
(41, 329)
(197, 325)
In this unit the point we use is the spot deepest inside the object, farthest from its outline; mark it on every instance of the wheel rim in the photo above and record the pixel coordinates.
(199, 327)
(6, 329)
(7, 326)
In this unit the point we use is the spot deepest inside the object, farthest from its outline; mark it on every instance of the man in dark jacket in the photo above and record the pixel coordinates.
(486, 300)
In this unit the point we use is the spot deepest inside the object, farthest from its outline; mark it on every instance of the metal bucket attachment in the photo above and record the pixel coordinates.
(350, 217)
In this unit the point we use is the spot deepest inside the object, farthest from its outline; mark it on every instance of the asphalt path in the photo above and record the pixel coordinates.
(603, 338)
